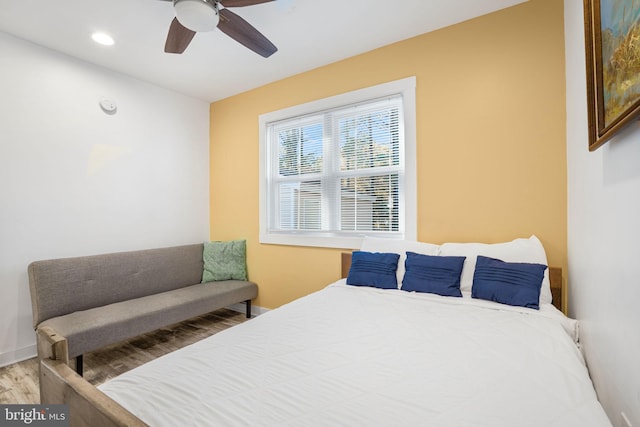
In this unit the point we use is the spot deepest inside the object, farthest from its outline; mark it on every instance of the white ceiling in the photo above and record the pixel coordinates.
(308, 34)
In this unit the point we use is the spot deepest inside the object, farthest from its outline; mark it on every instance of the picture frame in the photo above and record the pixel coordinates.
(612, 42)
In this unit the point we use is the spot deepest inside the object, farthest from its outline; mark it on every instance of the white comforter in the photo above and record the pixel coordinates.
(351, 356)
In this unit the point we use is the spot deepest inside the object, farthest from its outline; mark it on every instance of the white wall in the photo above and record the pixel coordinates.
(603, 241)
(76, 181)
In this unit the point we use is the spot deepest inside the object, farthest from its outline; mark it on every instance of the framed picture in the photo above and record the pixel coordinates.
(612, 39)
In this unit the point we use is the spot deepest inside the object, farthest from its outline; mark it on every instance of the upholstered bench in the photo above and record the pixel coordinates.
(95, 301)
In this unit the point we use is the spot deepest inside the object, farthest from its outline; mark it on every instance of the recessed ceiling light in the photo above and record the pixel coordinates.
(102, 38)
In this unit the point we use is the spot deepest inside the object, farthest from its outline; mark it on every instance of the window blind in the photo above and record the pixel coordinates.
(338, 171)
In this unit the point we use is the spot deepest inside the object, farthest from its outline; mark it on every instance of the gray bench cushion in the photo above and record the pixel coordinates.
(91, 329)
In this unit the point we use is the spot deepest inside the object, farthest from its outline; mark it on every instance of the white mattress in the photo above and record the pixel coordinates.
(353, 356)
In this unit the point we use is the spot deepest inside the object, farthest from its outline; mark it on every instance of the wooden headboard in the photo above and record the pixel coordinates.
(555, 277)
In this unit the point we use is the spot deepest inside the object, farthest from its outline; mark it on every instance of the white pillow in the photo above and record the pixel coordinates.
(400, 247)
(519, 250)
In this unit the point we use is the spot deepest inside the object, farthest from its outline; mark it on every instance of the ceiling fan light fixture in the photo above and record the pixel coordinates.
(196, 15)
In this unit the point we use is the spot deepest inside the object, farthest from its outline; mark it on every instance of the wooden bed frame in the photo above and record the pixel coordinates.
(88, 406)
(60, 384)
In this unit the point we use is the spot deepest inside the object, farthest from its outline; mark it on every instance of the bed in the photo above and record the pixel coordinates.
(360, 355)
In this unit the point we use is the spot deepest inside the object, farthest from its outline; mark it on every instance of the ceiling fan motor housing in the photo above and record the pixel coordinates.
(197, 15)
(193, 16)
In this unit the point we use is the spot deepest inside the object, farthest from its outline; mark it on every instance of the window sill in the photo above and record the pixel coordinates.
(340, 242)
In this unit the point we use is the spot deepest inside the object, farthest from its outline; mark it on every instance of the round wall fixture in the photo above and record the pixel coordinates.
(108, 105)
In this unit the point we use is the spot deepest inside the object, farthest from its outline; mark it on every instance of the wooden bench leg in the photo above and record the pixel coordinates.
(248, 303)
(79, 363)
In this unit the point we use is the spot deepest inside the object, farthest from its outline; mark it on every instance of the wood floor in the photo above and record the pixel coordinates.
(19, 382)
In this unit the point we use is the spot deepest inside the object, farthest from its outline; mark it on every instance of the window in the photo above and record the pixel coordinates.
(338, 169)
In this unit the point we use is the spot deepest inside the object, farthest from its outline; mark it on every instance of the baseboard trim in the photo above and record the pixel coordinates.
(242, 308)
(15, 356)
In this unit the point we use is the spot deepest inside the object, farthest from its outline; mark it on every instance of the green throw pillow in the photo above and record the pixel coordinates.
(225, 261)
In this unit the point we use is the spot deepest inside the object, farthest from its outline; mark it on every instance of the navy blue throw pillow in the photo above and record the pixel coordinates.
(508, 282)
(433, 274)
(373, 269)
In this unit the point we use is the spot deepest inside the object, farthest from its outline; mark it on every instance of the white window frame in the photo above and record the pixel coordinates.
(406, 88)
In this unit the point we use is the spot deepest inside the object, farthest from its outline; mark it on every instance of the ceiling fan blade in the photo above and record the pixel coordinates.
(178, 38)
(240, 3)
(244, 33)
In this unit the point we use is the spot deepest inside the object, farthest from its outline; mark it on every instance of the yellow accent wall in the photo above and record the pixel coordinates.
(491, 149)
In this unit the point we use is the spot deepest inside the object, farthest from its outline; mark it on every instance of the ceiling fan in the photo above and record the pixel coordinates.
(205, 15)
